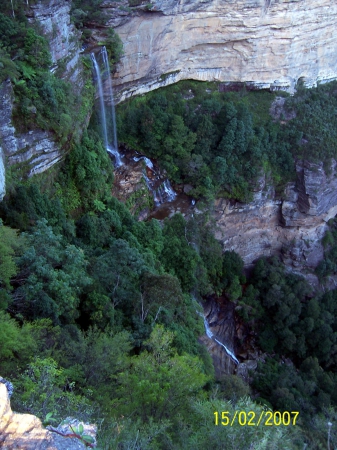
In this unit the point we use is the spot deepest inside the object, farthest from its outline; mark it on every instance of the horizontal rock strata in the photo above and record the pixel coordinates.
(35, 148)
(270, 44)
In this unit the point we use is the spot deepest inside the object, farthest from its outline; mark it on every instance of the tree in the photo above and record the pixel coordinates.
(158, 381)
(54, 276)
(45, 388)
(10, 243)
(16, 344)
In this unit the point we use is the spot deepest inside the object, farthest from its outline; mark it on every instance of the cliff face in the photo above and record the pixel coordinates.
(266, 42)
(54, 18)
(37, 148)
(294, 224)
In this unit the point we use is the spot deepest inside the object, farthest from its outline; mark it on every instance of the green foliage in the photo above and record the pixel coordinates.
(282, 297)
(205, 433)
(315, 122)
(291, 323)
(115, 324)
(233, 388)
(42, 99)
(16, 344)
(215, 142)
(328, 265)
(178, 252)
(158, 380)
(54, 274)
(86, 12)
(309, 389)
(232, 269)
(9, 245)
(44, 388)
(26, 204)
(114, 46)
(86, 176)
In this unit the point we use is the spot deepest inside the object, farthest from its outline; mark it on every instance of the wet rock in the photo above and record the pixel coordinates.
(220, 317)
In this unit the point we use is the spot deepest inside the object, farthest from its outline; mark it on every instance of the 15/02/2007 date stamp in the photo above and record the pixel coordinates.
(253, 419)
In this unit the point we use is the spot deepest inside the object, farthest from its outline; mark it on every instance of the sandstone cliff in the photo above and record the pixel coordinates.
(54, 18)
(294, 223)
(37, 148)
(270, 44)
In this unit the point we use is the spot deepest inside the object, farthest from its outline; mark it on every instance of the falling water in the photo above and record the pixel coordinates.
(148, 161)
(101, 99)
(113, 150)
(211, 336)
(164, 193)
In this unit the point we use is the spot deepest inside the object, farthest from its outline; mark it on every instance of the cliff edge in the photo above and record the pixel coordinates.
(270, 44)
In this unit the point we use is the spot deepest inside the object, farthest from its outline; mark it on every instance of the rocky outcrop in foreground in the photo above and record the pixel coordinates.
(25, 431)
(269, 44)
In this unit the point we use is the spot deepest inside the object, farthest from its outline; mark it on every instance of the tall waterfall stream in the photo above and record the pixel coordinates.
(111, 145)
(160, 188)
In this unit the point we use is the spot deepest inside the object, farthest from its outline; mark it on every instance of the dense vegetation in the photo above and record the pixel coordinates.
(215, 141)
(97, 316)
(316, 121)
(42, 99)
(101, 320)
(221, 142)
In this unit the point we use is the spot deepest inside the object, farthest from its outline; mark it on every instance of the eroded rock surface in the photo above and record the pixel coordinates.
(294, 224)
(270, 44)
(36, 148)
(54, 19)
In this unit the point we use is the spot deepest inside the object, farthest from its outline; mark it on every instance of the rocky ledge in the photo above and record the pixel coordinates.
(35, 148)
(25, 431)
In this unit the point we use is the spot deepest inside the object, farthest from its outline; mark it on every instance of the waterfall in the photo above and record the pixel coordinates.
(148, 161)
(101, 99)
(162, 193)
(112, 149)
(211, 336)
